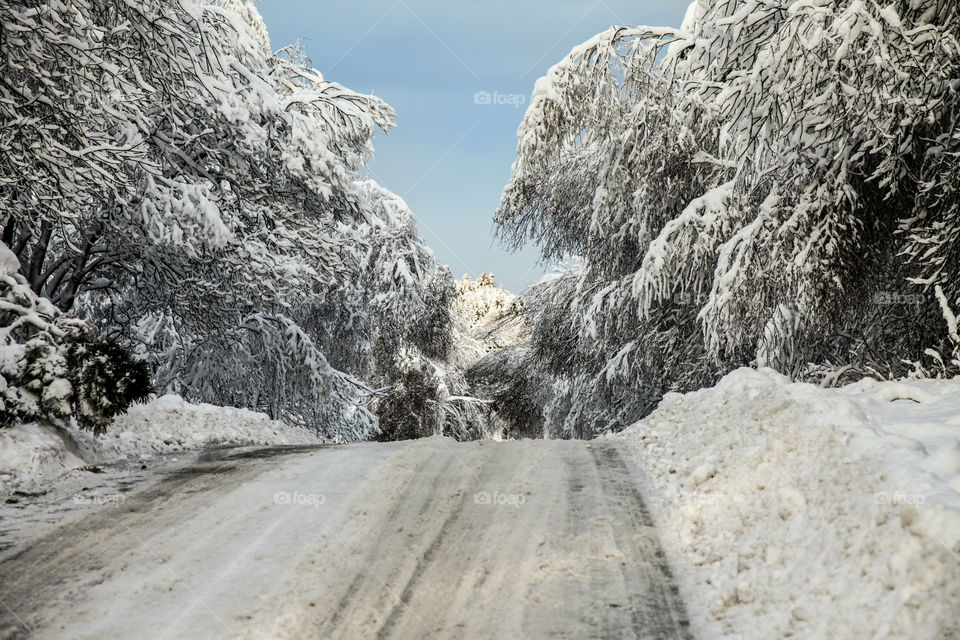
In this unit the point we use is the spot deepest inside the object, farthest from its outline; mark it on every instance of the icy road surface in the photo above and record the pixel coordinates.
(429, 539)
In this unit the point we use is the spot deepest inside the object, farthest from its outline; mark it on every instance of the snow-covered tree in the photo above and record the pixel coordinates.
(492, 345)
(200, 200)
(771, 184)
(488, 312)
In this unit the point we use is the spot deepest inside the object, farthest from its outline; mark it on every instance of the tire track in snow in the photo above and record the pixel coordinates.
(429, 539)
(660, 613)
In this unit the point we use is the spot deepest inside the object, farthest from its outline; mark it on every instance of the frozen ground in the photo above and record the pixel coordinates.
(429, 539)
(794, 511)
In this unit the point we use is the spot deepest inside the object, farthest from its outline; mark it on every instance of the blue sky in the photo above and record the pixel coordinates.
(450, 157)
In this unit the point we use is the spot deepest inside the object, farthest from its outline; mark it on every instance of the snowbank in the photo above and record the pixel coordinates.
(170, 424)
(795, 511)
(32, 452)
(32, 455)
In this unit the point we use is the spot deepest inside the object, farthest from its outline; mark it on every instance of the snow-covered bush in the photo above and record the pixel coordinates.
(492, 336)
(772, 184)
(106, 380)
(428, 393)
(49, 367)
(449, 378)
(413, 407)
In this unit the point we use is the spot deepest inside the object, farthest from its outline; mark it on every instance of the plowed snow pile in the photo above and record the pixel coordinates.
(32, 455)
(795, 511)
(169, 424)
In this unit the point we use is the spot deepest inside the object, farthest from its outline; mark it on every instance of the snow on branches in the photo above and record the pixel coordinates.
(199, 199)
(774, 183)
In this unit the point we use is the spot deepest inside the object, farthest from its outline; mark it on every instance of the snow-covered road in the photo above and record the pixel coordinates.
(524, 539)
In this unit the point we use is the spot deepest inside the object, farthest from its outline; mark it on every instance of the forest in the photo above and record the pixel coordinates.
(772, 185)
(242, 396)
(184, 210)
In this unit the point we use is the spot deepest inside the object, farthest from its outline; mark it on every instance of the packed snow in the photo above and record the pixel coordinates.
(169, 424)
(791, 510)
(35, 455)
(377, 540)
(8, 261)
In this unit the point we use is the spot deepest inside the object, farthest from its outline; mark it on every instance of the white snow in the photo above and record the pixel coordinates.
(57, 395)
(484, 319)
(34, 455)
(170, 424)
(8, 261)
(794, 511)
